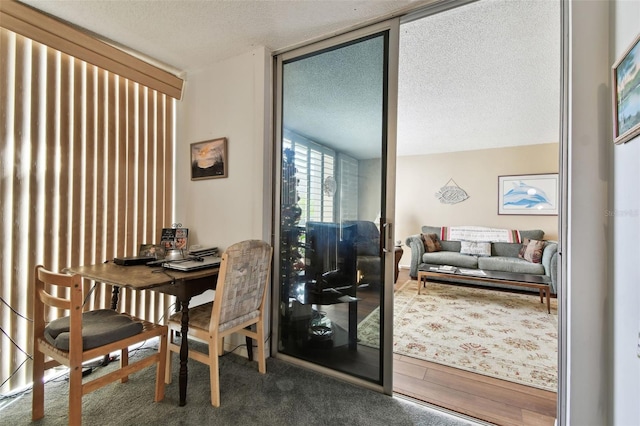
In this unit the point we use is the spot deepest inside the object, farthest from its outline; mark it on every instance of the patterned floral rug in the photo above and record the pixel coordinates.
(500, 334)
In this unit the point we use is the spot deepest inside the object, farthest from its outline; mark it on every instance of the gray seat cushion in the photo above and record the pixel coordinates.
(510, 264)
(450, 258)
(99, 327)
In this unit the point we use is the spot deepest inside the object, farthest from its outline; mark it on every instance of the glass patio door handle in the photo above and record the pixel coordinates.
(387, 236)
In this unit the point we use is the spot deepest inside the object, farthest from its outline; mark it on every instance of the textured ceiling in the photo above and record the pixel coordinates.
(335, 98)
(188, 35)
(484, 75)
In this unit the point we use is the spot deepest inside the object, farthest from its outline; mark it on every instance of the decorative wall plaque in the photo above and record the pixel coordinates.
(451, 193)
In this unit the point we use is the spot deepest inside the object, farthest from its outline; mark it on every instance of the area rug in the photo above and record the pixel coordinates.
(505, 335)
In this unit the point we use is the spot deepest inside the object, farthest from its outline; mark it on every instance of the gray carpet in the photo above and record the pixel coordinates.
(286, 395)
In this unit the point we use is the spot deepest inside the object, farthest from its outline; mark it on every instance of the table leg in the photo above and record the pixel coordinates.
(184, 352)
(353, 325)
(115, 295)
(249, 341)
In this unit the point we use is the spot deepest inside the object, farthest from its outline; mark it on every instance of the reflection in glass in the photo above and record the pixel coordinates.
(331, 268)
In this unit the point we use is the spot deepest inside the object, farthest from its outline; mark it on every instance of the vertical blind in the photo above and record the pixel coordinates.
(86, 175)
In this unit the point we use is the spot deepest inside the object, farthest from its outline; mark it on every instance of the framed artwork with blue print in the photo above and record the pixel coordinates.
(528, 194)
(626, 94)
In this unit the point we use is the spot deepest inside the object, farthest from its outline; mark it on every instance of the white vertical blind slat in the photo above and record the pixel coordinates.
(74, 140)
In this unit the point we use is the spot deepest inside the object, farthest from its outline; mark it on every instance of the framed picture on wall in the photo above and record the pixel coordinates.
(626, 94)
(528, 194)
(209, 159)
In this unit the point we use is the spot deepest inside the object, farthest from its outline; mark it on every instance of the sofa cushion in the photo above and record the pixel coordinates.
(446, 245)
(531, 250)
(431, 242)
(505, 249)
(510, 264)
(453, 246)
(450, 258)
(432, 230)
(532, 234)
(475, 248)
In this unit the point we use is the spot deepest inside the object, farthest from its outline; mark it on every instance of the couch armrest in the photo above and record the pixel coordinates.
(417, 250)
(550, 263)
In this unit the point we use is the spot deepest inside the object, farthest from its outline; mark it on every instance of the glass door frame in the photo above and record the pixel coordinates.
(388, 188)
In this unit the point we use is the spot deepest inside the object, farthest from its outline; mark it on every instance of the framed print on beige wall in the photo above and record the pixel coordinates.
(626, 94)
(209, 159)
(528, 194)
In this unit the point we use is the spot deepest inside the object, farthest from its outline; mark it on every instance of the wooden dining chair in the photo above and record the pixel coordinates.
(239, 303)
(83, 336)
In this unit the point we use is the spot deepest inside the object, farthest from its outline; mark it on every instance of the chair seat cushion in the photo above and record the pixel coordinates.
(99, 327)
(200, 316)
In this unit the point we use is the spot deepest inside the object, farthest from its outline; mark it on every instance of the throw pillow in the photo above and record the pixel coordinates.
(531, 250)
(431, 242)
(475, 248)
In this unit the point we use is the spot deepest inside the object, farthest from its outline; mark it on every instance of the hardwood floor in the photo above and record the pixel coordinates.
(482, 397)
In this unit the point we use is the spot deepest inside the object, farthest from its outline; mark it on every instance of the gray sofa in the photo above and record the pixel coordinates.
(504, 257)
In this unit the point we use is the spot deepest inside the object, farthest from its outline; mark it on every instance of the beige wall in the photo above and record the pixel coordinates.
(369, 182)
(419, 178)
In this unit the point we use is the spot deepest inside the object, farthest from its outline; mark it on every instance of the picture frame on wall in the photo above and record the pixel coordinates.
(209, 159)
(626, 94)
(528, 194)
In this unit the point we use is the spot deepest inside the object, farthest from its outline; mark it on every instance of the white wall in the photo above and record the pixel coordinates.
(588, 313)
(226, 100)
(624, 220)
(229, 99)
(603, 314)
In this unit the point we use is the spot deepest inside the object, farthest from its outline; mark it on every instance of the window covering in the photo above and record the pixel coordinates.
(47, 30)
(314, 165)
(86, 174)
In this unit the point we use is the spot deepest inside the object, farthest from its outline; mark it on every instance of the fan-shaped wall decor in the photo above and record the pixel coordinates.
(451, 194)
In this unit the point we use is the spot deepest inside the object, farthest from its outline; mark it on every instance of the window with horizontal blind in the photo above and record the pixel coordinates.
(348, 187)
(314, 165)
(87, 174)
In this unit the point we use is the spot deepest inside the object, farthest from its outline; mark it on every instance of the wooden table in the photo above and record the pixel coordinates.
(426, 271)
(183, 285)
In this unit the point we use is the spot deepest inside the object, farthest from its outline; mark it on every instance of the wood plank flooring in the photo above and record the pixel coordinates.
(481, 397)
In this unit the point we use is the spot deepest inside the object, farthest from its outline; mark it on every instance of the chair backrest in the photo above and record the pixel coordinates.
(241, 289)
(72, 303)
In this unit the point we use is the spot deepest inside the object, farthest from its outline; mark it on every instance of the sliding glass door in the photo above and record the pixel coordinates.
(336, 178)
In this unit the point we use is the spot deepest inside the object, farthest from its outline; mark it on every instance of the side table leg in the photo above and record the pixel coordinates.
(184, 352)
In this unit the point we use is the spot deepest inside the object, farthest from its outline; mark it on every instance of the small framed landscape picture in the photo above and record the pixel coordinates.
(528, 194)
(626, 94)
(209, 159)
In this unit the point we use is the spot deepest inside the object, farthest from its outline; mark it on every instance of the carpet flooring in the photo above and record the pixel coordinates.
(505, 335)
(286, 395)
